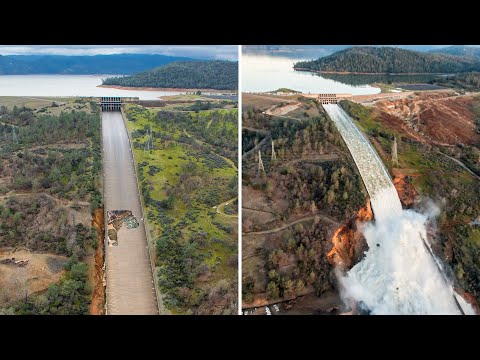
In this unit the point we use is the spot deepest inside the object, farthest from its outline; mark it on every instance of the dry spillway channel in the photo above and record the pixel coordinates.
(130, 287)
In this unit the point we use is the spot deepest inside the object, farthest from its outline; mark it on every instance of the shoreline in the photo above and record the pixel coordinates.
(118, 87)
(363, 73)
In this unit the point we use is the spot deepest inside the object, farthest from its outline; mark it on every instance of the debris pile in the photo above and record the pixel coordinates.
(131, 222)
(115, 219)
(115, 216)
(13, 261)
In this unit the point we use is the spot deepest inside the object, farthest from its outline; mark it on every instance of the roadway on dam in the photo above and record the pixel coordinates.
(130, 287)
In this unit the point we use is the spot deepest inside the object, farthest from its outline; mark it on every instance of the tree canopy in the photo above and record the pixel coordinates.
(390, 60)
(466, 81)
(218, 74)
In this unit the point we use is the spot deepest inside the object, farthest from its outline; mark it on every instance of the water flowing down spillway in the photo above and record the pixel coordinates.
(385, 201)
(398, 275)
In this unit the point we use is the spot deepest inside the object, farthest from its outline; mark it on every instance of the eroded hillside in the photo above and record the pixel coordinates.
(438, 167)
(297, 195)
(439, 118)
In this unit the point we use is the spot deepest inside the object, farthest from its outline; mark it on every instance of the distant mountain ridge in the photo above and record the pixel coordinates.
(326, 48)
(459, 50)
(83, 65)
(200, 74)
(390, 60)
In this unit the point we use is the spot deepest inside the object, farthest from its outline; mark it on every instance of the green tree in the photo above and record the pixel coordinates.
(299, 286)
(78, 271)
(289, 288)
(292, 244)
(330, 196)
(273, 291)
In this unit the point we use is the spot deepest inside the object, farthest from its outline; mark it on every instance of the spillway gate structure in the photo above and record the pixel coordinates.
(110, 103)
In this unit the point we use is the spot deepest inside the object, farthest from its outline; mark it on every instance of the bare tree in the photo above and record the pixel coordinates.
(21, 283)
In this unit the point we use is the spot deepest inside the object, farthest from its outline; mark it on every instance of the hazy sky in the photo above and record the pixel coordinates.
(228, 52)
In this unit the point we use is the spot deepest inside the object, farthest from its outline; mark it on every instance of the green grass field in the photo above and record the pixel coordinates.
(170, 157)
(31, 102)
(43, 105)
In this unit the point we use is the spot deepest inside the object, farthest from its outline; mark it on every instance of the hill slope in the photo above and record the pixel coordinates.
(218, 74)
(96, 64)
(459, 50)
(466, 81)
(390, 60)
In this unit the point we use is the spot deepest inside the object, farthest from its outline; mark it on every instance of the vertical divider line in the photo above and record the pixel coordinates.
(239, 166)
(104, 204)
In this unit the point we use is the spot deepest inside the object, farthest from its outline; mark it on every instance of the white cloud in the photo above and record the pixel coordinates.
(228, 52)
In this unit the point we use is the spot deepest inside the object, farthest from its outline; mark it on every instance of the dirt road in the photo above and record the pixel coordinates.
(259, 145)
(220, 208)
(41, 271)
(286, 226)
(130, 287)
(283, 110)
(370, 99)
(461, 164)
(62, 202)
(229, 162)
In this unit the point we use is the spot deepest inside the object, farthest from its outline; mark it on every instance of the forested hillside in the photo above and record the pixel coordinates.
(96, 64)
(50, 176)
(390, 60)
(218, 74)
(293, 206)
(32, 163)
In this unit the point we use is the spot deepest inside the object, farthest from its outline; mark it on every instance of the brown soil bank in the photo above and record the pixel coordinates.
(348, 242)
(436, 117)
(405, 189)
(98, 297)
(40, 271)
(166, 89)
(469, 298)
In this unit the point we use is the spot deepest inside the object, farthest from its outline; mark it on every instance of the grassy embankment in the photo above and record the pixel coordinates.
(182, 179)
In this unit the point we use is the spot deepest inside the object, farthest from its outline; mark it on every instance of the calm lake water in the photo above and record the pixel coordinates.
(261, 72)
(67, 85)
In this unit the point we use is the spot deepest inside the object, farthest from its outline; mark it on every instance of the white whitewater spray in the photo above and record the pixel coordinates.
(398, 274)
